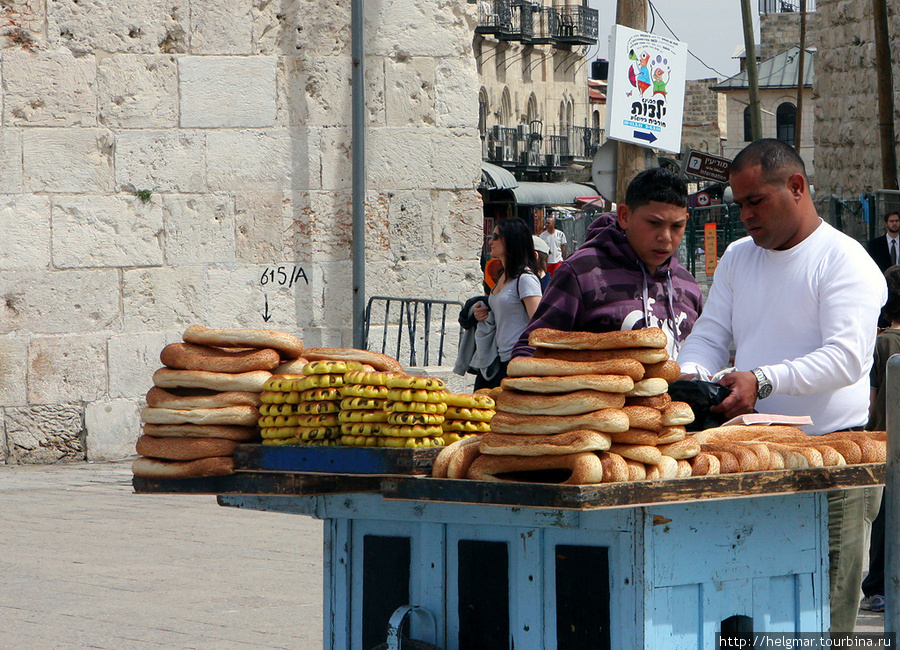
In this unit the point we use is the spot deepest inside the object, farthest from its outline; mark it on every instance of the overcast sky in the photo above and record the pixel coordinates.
(711, 28)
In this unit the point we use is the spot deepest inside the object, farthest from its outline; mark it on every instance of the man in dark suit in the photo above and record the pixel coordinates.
(885, 249)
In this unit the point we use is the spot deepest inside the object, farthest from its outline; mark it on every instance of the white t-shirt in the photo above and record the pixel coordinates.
(555, 241)
(509, 311)
(806, 316)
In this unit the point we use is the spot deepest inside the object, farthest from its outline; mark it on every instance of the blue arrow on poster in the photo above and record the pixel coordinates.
(643, 135)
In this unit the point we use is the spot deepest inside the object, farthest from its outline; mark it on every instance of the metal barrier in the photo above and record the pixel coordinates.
(729, 228)
(414, 327)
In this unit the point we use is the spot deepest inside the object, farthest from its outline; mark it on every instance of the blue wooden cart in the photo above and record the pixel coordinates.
(653, 564)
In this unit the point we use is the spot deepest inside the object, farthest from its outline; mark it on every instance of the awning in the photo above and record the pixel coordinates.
(496, 178)
(550, 193)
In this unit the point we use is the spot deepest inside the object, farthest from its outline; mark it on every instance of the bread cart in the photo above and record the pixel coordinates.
(652, 564)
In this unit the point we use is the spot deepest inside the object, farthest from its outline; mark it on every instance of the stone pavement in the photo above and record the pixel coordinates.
(85, 562)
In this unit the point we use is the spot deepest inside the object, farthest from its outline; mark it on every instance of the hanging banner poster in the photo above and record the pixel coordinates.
(645, 98)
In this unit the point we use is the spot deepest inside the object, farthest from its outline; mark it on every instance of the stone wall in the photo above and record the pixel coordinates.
(847, 138)
(181, 162)
(778, 32)
(704, 120)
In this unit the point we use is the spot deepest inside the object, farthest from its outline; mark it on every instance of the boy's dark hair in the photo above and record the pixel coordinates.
(656, 184)
(776, 159)
(891, 308)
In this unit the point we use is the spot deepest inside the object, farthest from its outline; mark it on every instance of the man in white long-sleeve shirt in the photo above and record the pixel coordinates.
(800, 301)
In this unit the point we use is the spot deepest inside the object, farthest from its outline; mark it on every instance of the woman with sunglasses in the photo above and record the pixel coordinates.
(515, 295)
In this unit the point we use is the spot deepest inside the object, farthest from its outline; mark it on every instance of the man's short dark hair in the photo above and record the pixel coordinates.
(776, 159)
(891, 308)
(656, 184)
(891, 214)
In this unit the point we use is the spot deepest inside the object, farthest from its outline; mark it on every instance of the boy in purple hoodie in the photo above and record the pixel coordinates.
(625, 276)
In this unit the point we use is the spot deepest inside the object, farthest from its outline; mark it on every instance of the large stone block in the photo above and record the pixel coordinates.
(138, 91)
(456, 162)
(45, 433)
(319, 89)
(222, 27)
(252, 159)
(199, 228)
(135, 26)
(168, 298)
(455, 93)
(409, 94)
(260, 225)
(13, 371)
(227, 91)
(24, 24)
(26, 232)
(449, 32)
(410, 216)
(59, 302)
(161, 161)
(334, 148)
(322, 225)
(76, 161)
(11, 160)
(458, 225)
(301, 26)
(49, 89)
(103, 231)
(67, 368)
(112, 427)
(399, 158)
(133, 358)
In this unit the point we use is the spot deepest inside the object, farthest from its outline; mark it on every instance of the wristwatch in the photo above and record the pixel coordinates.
(764, 388)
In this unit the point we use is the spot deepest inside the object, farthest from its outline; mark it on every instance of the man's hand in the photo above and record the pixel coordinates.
(480, 311)
(742, 398)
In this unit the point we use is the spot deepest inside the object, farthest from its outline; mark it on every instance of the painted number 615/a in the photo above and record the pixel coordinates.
(283, 276)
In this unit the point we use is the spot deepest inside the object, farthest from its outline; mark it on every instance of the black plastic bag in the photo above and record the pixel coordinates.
(700, 395)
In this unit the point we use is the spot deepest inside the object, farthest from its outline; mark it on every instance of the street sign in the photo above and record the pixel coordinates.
(705, 165)
(702, 199)
(645, 97)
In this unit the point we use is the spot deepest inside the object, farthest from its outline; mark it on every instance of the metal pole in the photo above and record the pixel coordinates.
(892, 501)
(801, 66)
(750, 63)
(358, 172)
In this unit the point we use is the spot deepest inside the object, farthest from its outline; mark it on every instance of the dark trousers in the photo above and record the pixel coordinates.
(481, 382)
(874, 582)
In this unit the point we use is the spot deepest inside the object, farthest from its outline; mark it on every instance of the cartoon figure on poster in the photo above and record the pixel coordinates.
(648, 72)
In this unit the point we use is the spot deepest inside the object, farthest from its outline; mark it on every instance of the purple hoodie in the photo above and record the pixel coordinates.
(605, 287)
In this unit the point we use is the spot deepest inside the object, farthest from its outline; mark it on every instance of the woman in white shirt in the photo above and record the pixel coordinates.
(516, 294)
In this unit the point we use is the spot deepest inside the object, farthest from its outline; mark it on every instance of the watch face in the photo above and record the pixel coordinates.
(764, 391)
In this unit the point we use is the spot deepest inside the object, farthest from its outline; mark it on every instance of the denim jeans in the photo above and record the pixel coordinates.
(848, 513)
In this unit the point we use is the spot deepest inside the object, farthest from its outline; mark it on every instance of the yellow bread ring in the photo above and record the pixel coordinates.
(411, 430)
(278, 432)
(318, 381)
(317, 407)
(321, 395)
(276, 383)
(322, 442)
(320, 420)
(415, 407)
(361, 415)
(414, 418)
(359, 441)
(416, 383)
(475, 401)
(279, 397)
(465, 413)
(450, 437)
(279, 421)
(367, 378)
(357, 403)
(361, 428)
(330, 367)
(467, 426)
(282, 441)
(411, 443)
(362, 390)
(318, 433)
(415, 395)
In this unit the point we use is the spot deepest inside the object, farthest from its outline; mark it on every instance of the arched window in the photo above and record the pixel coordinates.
(785, 121)
(748, 126)
(505, 108)
(483, 111)
(532, 112)
(570, 112)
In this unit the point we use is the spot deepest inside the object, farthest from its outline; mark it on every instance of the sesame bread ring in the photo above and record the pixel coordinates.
(246, 416)
(676, 414)
(644, 417)
(381, 362)
(655, 401)
(636, 471)
(568, 384)
(188, 356)
(415, 407)
(668, 370)
(644, 355)
(362, 416)
(291, 367)
(414, 418)
(647, 454)
(442, 460)
(687, 448)
(416, 383)
(584, 467)
(187, 399)
(531, 367)
(571, 442)
(289, 345)
(463, 413)
(416, 395)
(466, 426)
(704, 464)
(671, 434)
(173, 469)
(462, 457)
(651, 337)
(366, 378)
(364, 390)
(331, 367)
(648, 388)
(321, 395)
(361, 403)
(635, 437)
(231, 432)
(362, 428)
(411, 430)
(605, 420)
(474, 401)
(184, 448)
(573, 403)
(251, 382)
(615, 467)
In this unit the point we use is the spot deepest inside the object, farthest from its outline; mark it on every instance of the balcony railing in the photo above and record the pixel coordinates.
(521, 22)
(577, 25)
(784, 6)
(530, 22)
(494, 17)
(522, 147)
